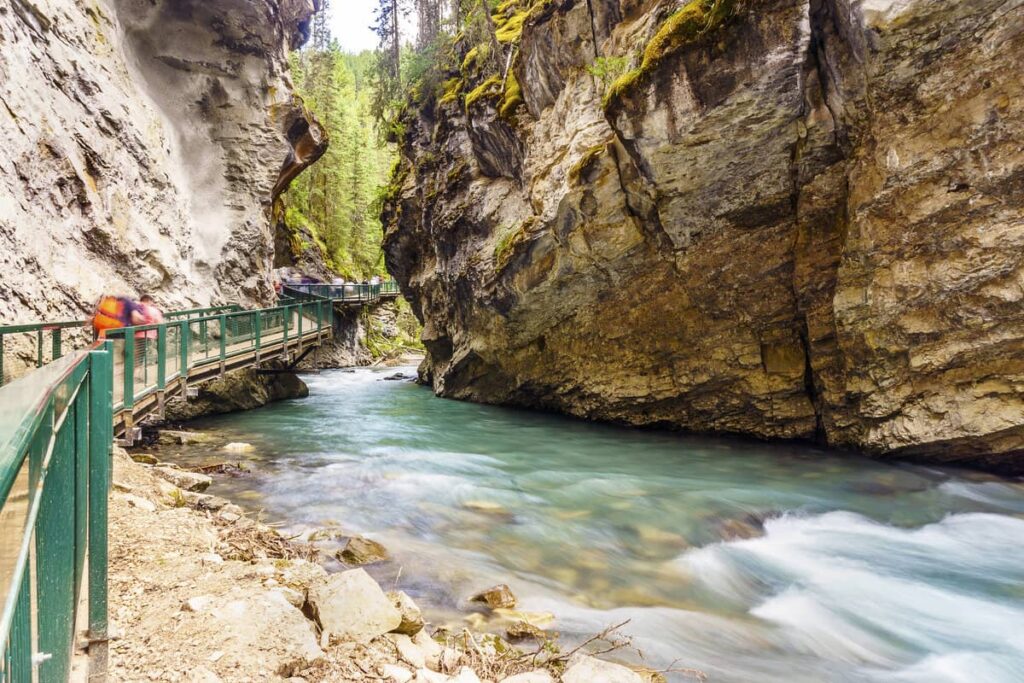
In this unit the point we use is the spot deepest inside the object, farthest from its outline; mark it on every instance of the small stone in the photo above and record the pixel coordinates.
(537, 676)
(496, 597)
(412, 617)
(211, 558)
(215, 657)
(521, 630)
(351, 606)
(144, 458)
(233, 509)
(396, 376)
(450, 658)
(140, 502)
(430, 647)
(586, 669)
(360, 550)
(186, 481)
(398, 674)
(408, 651)
(228, 516)
(199, 603)
(238, 447)
(428, 676)
(465, 675)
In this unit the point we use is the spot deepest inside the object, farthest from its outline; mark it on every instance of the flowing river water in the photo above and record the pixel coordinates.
(751, 562)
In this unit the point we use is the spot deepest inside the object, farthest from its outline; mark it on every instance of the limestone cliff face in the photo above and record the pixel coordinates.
(795, 219)
(144, 144)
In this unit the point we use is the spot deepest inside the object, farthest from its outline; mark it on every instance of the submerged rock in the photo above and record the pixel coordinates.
(362, 550)
(352, 607)
(170, 437)
(496, 597)
(144, 458)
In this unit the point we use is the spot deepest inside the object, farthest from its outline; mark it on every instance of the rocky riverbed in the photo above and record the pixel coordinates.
(201, 591)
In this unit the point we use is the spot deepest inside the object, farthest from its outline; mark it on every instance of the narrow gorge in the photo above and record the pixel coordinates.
(777, 218)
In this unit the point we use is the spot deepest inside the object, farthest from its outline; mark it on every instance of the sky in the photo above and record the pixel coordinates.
(350, 23)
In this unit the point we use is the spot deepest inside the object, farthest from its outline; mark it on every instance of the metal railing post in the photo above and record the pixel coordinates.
(161, 366)
(57, 345)
(185, 338)
(129, 370)
(223, 342)
(101, 397)
(39, 348)
(257, 330)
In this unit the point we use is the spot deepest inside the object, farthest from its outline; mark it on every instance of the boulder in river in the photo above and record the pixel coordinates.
(521, 630)
(351, 606)
(169, 437)
(186, 481)
(238, 447)
(586, 669)
(360, 550)
(412, 617)
(495, 597)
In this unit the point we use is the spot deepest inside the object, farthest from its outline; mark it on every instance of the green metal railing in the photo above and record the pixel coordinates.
(349, 292)
(56, 431)
(148, 358)
(55, 443)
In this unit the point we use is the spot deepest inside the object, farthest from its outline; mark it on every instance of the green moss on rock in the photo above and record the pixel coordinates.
(489, 88)
(512, 98)
(689, 23)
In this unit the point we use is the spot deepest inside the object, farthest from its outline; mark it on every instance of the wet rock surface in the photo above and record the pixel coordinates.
(238, 390)
(804, 223)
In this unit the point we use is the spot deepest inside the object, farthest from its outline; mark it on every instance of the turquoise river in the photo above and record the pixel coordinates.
(750, 562)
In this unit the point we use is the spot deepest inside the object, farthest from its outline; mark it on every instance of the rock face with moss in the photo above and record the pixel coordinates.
(765, 217)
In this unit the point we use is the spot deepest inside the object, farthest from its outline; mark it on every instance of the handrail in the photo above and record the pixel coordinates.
(149, 357)
(351, 292)
(55, 442)
(56, 431)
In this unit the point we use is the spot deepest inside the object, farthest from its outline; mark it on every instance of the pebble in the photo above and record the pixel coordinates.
(409, 652)
(198, 603)
(398, 674)
(139, 502)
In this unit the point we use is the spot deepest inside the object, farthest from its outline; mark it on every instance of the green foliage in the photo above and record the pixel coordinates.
(607, 69)
(333, 200)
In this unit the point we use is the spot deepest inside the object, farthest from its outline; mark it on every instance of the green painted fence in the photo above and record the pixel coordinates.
(55, 444)
(56, 431)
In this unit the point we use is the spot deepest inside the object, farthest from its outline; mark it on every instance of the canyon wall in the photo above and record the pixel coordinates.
(778, 218)
(145, 142)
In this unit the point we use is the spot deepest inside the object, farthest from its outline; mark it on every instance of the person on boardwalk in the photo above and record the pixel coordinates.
(115, 312)
(152, 316)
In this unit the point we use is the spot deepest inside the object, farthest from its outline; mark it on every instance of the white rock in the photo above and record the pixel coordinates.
(410, 653)
(428, 676)
(538, 676)
(198, 603)
(211, 558)
(186, 481)
(430, 647)
(398, 674)
(351, 606)
(465, 675)
(266, 623)
(412, 617)
(450, 658)
(238, 447)
(139, 502)
(294, 597)
(201, 674)
(584, 669)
